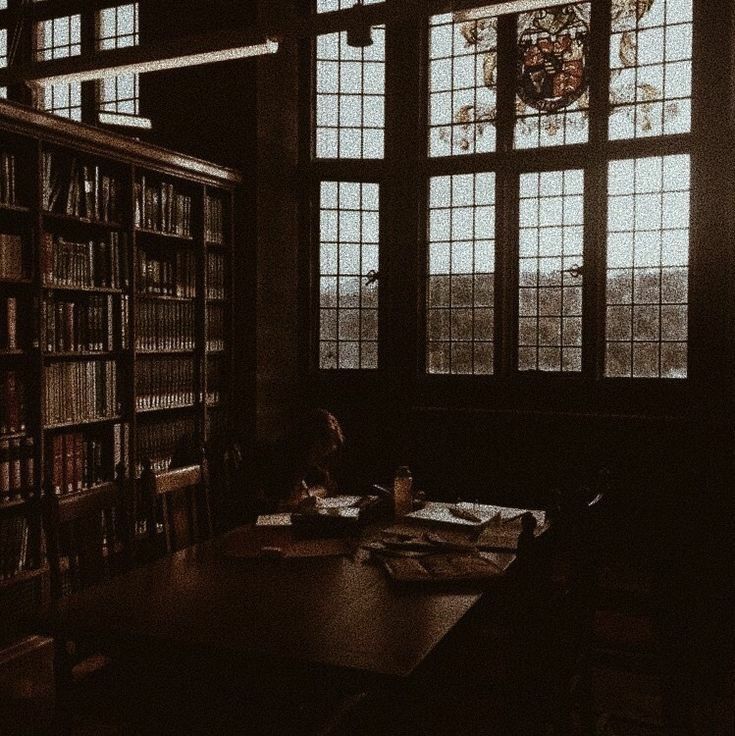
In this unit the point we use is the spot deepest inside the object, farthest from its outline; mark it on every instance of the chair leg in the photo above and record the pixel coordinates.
(62, 724)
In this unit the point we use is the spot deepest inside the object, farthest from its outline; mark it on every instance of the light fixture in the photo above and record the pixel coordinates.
(359, 32)
(209, 49)
(125, 120)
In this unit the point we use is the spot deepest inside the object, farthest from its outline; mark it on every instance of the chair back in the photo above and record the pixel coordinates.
(86, 537)
(182, 494)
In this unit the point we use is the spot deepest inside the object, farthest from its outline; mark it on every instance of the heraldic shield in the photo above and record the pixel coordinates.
(552, 57)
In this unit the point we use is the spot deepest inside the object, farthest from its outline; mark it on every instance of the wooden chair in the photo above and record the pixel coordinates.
(86, 537)
(182, 496)
(540, 641)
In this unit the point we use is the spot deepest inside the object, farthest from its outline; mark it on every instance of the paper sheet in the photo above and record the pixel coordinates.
(274, 520)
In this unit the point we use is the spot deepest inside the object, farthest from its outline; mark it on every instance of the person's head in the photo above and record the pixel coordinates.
(320, 436)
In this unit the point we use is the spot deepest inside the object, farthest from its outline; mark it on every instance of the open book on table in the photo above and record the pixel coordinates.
(468, 515)
(448, 567)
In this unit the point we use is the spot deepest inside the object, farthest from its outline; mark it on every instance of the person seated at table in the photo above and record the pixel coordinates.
(299, 467)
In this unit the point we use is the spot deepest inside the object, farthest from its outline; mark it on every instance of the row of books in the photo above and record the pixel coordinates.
(79, 189)
(11, 257)
(17, 469)
(7, 178)
(77, 461)
(172, 273)
(80, 391)
(216, 276)
(215, 327)
(77, 325)
(159, 442)
(14, 557)
(12, 405)
(165, 326)
(91, 264)
(8, 323)
(214, 220)
(160, 206)
(164, 383)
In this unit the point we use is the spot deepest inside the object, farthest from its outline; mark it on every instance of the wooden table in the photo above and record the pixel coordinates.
(332, 611)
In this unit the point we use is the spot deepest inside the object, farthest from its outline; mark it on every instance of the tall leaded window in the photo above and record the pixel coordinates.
(461, 274)
(550, 247)
(650, 68)
(462, 82)
(348, 261)
(350, 97)
(556, 207)
(647, 267)
(58, 38)
(117, 27)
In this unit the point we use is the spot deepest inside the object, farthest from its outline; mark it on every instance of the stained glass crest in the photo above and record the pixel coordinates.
(552, 56)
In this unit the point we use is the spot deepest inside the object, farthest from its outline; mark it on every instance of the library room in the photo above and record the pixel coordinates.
(367, 367)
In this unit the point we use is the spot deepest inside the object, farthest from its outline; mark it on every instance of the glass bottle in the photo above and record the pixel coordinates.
(402, 491)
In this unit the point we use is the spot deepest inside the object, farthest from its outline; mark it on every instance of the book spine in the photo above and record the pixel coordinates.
(11, 313)
(69, 465)
(16, 477)
(79, 461)
(4, 470)
(29, 472)
(57, 465)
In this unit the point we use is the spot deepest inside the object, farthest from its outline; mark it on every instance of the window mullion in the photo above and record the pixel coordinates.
(403, 190)
(506, 268)
(595, 195)
(89, 88)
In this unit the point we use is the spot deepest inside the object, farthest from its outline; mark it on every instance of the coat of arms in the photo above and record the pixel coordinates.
(552, 57)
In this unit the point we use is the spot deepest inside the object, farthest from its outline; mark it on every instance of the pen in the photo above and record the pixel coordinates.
(463, 514)
(382, 491)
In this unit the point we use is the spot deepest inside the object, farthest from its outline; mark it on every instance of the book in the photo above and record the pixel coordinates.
(451, 567)
(461, 514)
(8, 323)
(12, 409)
(11, 257)
(7, 178)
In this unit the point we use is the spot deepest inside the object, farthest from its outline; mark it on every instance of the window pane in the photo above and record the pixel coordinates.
(552, 86)
(3, 55)
(58, 38)
(117, 27)
(350, 97)
(328, 6)
(550, 271)
(651, 68)
(348, 251)
(647, 267)
(462, 82)
(460, 304)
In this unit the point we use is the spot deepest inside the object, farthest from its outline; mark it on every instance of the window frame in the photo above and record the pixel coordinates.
(509, 388)
(104, 106)
(317, 170)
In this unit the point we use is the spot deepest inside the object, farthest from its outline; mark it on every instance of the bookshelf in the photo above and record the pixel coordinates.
(115, 322)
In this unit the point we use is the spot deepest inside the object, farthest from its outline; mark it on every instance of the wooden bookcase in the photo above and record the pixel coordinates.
(118, 268)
